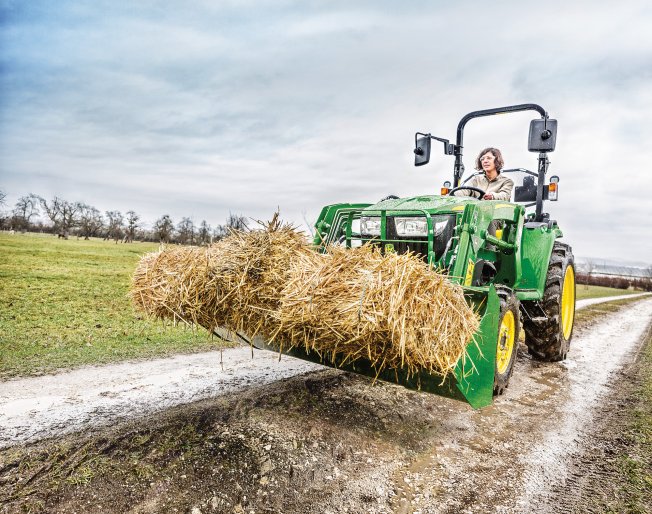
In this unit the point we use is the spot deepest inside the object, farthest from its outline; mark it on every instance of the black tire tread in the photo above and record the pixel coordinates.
(544, 339)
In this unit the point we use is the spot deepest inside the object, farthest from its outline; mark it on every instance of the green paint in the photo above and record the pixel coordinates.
(520, 254)
(472, 379)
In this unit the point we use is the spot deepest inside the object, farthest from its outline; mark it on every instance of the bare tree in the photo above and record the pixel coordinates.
(90, 221)
(5, 218)
(204, 233)
(132, 225)
(115, 223)
(233, 222)
(163, 228)
(236, 222)
(219, 232)
(62, 213)
(26, 207)
(186, 231)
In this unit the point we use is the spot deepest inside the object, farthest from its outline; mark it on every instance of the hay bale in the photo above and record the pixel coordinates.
(392, 310)
(234, 283)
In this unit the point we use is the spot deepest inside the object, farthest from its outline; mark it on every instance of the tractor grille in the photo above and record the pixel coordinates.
(419, 245)
(402, 246)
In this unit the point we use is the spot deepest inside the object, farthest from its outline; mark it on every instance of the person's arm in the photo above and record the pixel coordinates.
(504, 191)
(468, 192)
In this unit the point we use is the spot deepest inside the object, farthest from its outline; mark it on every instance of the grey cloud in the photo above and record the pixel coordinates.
(219, 107)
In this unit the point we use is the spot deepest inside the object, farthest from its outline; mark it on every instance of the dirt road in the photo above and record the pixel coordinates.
(53, 405)
(293, 437)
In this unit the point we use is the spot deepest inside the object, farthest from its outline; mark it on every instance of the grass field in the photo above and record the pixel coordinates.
(636, 463)
(64, 304)
(584, 292)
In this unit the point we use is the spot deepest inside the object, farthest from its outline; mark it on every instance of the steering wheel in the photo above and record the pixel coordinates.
(471, 188)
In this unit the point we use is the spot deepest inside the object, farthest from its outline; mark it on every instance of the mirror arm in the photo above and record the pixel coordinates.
(543, 169)
(449, 148)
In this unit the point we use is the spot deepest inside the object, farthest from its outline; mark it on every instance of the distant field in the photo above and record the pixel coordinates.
(64, 304)
(584, 292)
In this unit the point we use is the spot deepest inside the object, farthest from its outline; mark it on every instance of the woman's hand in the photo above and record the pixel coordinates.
(488, 196)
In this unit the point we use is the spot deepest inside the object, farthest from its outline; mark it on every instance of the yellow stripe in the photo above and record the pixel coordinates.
(469, 273)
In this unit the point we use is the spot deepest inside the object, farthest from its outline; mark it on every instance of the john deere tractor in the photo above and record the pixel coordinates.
(511, 265)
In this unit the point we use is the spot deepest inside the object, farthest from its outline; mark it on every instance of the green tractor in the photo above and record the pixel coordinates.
(512, 267)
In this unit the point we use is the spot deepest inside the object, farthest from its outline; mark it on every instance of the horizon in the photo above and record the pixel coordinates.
(207, 110)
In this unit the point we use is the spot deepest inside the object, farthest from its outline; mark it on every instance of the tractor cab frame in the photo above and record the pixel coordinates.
(542, 138)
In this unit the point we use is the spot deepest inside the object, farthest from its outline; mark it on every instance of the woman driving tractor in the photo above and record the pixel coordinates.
(495, 185)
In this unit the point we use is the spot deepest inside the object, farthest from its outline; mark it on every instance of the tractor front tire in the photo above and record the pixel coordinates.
(509, 328)
(548, 337)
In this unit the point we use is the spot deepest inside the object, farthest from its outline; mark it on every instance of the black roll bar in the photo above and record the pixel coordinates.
(458, 169)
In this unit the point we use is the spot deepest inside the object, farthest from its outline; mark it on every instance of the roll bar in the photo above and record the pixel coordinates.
(542, 139)
(458, 168)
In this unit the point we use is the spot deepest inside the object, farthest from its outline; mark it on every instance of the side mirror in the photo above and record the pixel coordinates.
(422, 150)
(543, 135)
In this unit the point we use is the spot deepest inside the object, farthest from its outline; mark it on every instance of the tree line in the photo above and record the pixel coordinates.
(33, 213)
(639, 283)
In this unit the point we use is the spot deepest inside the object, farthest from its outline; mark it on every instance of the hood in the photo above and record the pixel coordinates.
(433, 203)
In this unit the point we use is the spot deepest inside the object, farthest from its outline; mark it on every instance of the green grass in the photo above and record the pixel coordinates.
(584, 292)
(635, 464)
(64, 304)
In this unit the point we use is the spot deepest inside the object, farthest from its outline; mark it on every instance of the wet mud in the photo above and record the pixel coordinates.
(326, 441)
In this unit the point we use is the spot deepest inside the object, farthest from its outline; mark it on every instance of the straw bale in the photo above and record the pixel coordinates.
(234, 283)
(392, 310)
(346, 304)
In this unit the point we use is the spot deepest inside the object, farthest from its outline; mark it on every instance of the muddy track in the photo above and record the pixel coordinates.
(326, 441)
(589, 484)
(36, 408)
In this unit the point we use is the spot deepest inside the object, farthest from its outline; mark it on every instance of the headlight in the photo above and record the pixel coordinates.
(370, 226)
(418, 227)
(411, 227)
(439, 226)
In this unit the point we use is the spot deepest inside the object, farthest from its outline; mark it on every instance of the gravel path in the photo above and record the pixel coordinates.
(592, 301)
(40, 407)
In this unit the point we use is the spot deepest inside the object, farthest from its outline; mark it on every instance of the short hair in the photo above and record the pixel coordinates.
(499, 162)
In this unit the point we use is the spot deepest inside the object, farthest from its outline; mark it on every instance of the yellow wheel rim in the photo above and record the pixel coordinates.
(506, 338)
(568, 302)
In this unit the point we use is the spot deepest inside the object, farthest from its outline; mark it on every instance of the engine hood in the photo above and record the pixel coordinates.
(432, 204)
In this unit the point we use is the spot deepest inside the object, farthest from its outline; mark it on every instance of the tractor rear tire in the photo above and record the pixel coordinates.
(548, 337)
(509, 328)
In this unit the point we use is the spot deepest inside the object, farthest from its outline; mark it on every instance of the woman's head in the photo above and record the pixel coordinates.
(490, 159)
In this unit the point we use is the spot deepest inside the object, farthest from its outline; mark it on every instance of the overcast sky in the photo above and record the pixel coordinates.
(204, 108)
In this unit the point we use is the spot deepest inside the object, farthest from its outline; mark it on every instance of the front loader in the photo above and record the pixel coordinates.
(513, 270)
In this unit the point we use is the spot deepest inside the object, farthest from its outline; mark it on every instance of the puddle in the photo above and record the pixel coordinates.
(513, 454)
(593, 358)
